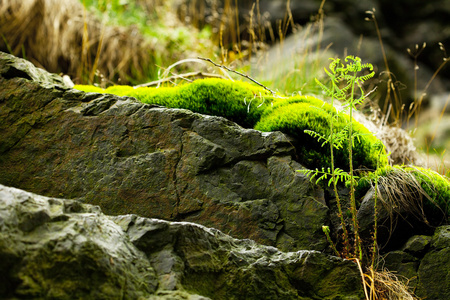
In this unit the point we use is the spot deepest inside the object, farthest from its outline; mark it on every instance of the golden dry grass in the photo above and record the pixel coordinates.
(62, 37)
(385, 285)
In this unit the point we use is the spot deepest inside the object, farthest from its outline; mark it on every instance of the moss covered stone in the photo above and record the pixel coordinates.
(254, 107)
(237, 101)
(63, 249)
(410, 200)
(436, 186)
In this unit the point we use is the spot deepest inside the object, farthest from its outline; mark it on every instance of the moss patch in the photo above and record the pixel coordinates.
(254, 107)
(297, 114)
(436, 186)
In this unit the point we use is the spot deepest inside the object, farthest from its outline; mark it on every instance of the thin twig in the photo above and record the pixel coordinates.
(239, 73)
(181, 76)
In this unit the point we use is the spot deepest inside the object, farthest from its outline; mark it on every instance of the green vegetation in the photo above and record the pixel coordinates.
(298, 114)
(237, 101)
(402, 183)
(153, 21)
(345, 78)
(436, 186)
(254, 107)
(341, 149)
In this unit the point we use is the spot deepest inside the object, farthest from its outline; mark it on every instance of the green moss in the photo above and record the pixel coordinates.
(435, 185)
(237, 101)
(254, 107)
(89, 89)
(297, 114)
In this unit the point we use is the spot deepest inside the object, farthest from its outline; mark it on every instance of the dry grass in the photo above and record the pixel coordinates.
(412, 194)
(62, 37)
(398, 142)
(385, 285)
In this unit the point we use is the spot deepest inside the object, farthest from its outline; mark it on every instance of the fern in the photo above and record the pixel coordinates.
(346, 81)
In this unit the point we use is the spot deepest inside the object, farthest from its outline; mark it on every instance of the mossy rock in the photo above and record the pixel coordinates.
(254, 107)
(237, 101)
(436, 186)
(297, 114)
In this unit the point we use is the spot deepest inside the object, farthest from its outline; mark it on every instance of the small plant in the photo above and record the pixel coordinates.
(406, 189)
(346, 80)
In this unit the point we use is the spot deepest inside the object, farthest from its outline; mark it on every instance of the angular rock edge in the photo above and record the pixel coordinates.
(56, 248)
(172, 164)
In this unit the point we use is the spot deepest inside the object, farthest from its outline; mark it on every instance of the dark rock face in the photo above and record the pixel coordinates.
(424, 261)
(132, 158)
(62, 249)
(172, 164)
(57, 249)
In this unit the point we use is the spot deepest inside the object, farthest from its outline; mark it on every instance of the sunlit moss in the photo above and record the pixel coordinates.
(307, 113)
(417, 181)
(435, 185)
(254, 107)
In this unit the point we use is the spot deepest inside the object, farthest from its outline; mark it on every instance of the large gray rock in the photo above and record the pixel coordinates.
(57, 249)
(424, 263)
(62, 249)
(172, 164)
(397, 222)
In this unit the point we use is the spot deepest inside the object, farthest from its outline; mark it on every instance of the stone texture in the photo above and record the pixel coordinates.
(172, 164)
(434, 268)
(62, 249)
(424, 264)
(395, 226)
(57, 249)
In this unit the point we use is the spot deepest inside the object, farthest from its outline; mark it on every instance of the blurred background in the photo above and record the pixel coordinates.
(285, 44)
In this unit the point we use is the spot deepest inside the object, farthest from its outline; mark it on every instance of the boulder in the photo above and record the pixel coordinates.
(53, 248)
(172, 164)
(423, 262)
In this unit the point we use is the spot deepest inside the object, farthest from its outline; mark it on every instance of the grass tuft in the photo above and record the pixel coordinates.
(102, 42)
(422, 193)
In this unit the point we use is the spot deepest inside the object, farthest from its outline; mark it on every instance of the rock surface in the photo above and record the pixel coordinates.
(131, 158)
(62, 249)
(172, 164)
(424, 262)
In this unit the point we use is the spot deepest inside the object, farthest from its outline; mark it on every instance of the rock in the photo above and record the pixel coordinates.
(64, 249)
(397, 221)
(434, 275)
(402, 265)
(434, 268)
(424, 263)
(11, 67)
(172, 164)
(417, 244)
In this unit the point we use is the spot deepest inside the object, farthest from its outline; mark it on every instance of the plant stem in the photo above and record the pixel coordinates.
(333, 174)
(358, 252)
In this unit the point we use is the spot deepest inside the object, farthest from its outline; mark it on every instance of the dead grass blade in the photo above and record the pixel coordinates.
(62, 37)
